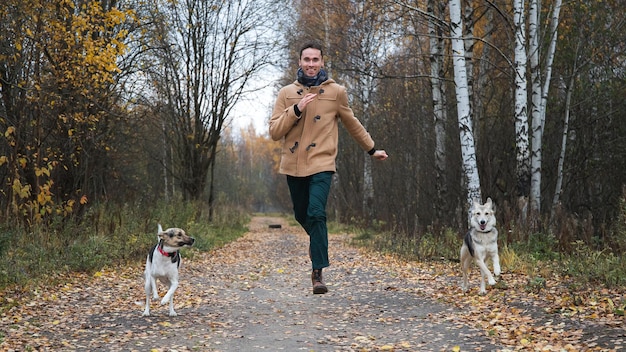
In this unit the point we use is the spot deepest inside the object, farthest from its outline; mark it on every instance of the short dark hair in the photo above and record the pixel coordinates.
(312, 45)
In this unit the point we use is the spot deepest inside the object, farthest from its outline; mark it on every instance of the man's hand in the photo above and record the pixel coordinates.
(305, 101)
(380, 155)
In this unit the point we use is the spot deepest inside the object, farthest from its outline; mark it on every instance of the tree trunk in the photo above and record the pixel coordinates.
(559, 173)
(535, 108)
(438, 91)
(468, 42)
(568, 101)
(482, 82)
(554, 25)
(368, 188)
(468, 149)
(521, 107)
(539, 95)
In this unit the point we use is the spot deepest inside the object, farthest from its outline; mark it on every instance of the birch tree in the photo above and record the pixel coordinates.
(468, 149)
(521, 101)
(539, 93)
(440, 114)
(559, 173)
(535, 106)
(578, 63)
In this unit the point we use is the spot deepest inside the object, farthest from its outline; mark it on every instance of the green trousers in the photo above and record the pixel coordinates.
(309, 196)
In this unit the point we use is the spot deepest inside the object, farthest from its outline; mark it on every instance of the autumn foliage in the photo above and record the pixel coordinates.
(59, 69)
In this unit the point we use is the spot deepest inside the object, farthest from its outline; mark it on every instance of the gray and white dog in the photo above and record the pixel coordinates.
(162, 263)
(481, 243)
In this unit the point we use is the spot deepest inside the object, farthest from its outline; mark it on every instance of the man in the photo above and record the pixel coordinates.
(305, 117)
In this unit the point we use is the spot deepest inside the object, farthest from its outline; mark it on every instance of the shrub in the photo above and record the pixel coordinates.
(106, 235)
(593, 266)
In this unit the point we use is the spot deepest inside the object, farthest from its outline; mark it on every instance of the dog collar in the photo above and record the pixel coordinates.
(167, 254)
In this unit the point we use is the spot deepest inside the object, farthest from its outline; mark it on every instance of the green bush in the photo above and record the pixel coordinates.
(539, 245)
(593, 266)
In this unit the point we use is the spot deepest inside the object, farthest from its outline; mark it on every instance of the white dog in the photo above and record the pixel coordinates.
(162, 263)
(480, 243)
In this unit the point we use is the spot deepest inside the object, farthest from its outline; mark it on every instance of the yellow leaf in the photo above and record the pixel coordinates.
(10, 130)
(608, 300)
(165, 323)
(456, 348)
(97, 274)
(524, 341)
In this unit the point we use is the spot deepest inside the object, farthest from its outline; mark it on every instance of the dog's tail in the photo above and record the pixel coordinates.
(469, 243)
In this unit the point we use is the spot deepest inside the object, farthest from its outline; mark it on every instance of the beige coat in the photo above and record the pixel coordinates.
(310, 143)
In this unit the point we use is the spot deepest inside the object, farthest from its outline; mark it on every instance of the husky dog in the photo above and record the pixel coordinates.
(480, 243)
(162, 263)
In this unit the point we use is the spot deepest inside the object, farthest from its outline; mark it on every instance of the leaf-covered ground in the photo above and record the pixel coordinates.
(255, 294)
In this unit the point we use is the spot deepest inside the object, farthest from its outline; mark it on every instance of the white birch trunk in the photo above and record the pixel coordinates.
(535, 107)
(554, 25)
(468, 150)
(540, 93)
(568, 99)
(521, 101)
(439, 112)
(165, 164)
(482, 79)
(559, 173)
(468, 43)
(368, 181)
(368, 187)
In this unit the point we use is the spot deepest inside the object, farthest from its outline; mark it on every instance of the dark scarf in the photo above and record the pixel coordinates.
(312, 81)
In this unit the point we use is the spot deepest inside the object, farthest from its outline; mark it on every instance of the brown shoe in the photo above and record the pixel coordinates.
(318, 284)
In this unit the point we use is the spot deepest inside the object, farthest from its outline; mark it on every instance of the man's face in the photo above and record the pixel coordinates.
(311, 61)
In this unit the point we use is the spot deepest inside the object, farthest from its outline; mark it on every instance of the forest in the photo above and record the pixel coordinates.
(134, 102)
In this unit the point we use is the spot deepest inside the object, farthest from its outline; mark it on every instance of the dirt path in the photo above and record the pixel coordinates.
(255, 294)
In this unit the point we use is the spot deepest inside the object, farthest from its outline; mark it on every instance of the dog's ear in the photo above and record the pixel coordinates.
(164, 235)
(489, 202)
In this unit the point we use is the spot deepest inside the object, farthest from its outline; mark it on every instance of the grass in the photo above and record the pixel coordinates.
(106, 235)
(537, 258)
(420, 247)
